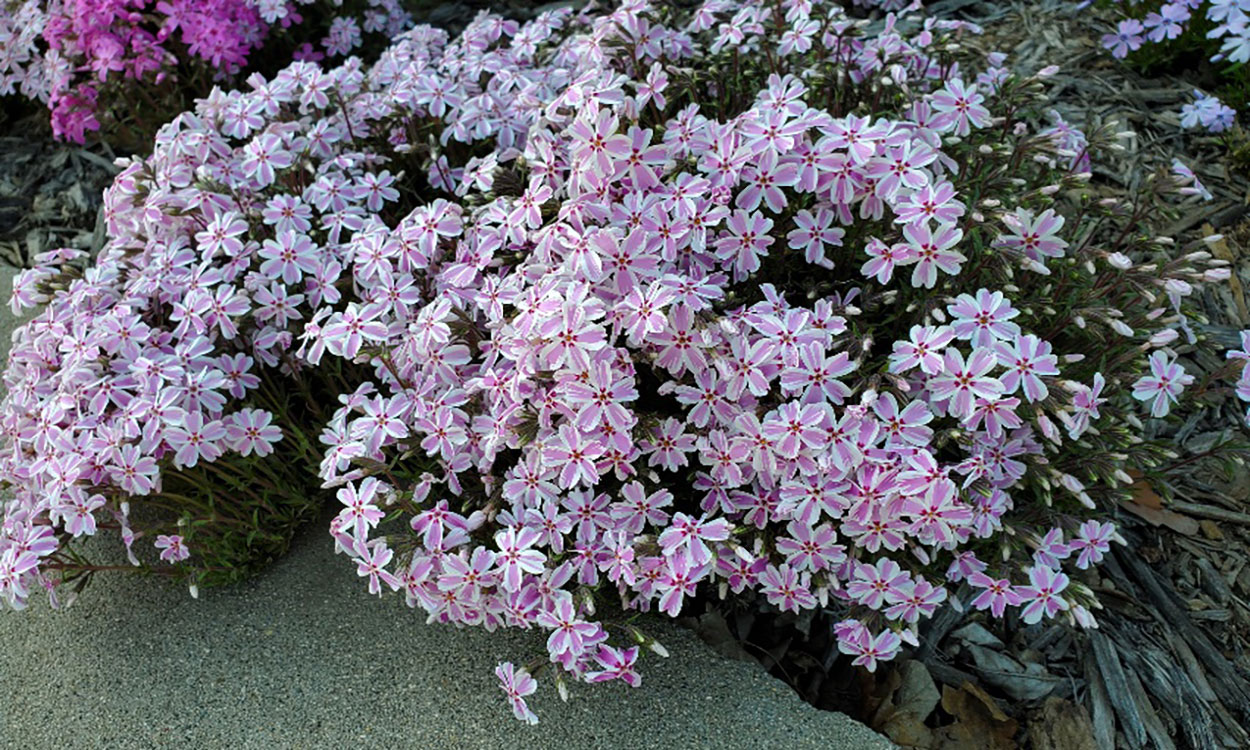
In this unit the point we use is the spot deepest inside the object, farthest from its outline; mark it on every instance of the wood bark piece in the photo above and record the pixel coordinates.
(1176, 693)
(1227, 684)
(1118, 690)
(1101, 712)
(1192, 667)
(1209, 511)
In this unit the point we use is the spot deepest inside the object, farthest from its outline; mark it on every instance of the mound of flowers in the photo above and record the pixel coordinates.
(610, 311)
(93, 59)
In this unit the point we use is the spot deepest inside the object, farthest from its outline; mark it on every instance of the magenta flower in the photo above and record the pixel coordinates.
(925, 350)
(868, 650)
(289, 257)
(569, 632)
(515, 556)
(915, 599)
(574, 336)
(811, 549)
(575, 456)
(517, 683)
(195, 439)
(678, 578)
(1035, 237)
(815, 376)
(985, 319)
(747, 241)
(933, 252)
(345, 332)
(669, 445)
(1042, 596)
(796, 427)
(960, 105)
(813, 233)
(687, 535)
(751, 367)
(172, 548)
(786, 588)
(361, 513)
(997, 596)
(930, 203)
(1162, 386)
(249, 431)
(884, 258)
(1093, 540)
(764, 180)
(617, 664)
(135, 472)
(875, 584)
(962, 383)
(595, 139)
(1026, 360)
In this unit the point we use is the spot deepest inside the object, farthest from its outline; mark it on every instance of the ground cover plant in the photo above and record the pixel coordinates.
(1183, 34)
(614, 310)
(92, 61)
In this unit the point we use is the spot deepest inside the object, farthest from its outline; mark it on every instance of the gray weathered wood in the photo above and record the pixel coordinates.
(1101, 712)
(1118, 690)
(1230, 688)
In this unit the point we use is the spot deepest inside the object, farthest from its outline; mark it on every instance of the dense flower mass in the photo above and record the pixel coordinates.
(629, 307)
(71, 53)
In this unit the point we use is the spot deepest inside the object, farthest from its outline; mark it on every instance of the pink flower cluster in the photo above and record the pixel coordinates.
(617, 348)
(65, 52)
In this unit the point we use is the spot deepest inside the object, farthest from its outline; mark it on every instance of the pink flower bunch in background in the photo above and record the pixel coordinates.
(1153, 23)
(65, 52)
(1207, 112)
(624, 308)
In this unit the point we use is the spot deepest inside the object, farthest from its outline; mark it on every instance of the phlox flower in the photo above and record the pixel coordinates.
(916, 598)
(690, 536)
(787, 588)
(1041, 597)
(173, 549)
(1163, 385)
(868, 649)
(517, 683)
(515, 557)
(361, 512)
(1093, 540)
(874, 585)
(1026, 360)
(924, 349)
(249, 431)
(746, 241)
(960, 106)
(813, 233)
(998, 594)
(1127, 38)
(1034, 236)
(961, 383)
(196, 439)
(289, 257)
(933, 252)
(574, 455)
(617, 664)
(983, 320)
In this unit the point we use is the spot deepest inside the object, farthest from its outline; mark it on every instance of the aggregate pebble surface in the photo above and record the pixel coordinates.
(303, 657)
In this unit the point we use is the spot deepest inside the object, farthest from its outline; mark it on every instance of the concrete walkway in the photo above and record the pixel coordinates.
(303, 657)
